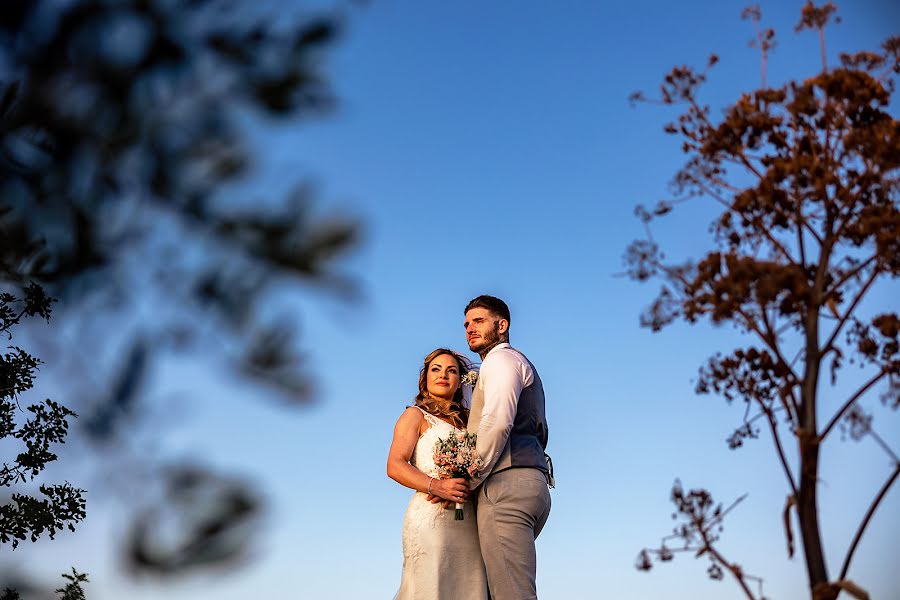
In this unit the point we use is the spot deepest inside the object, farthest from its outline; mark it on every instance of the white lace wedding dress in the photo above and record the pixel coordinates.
(441, 556)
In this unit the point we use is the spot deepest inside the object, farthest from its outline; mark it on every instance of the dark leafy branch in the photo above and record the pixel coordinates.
(72, 590)
(27, 517)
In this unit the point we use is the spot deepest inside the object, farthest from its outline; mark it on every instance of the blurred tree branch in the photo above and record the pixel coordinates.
(122, 135)
(122, 148)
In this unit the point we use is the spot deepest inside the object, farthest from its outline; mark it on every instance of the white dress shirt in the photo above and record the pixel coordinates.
(503, 375)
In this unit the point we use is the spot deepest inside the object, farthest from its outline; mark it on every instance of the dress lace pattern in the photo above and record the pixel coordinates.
(441, 556)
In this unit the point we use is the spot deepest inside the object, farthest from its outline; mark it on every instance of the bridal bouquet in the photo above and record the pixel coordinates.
(455, 456)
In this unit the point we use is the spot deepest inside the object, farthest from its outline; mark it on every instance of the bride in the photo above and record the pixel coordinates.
(441, 556)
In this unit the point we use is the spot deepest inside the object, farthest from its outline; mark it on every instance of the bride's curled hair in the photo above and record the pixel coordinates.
(454, 412)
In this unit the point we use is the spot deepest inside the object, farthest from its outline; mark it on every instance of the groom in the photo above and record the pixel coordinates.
(508, 415)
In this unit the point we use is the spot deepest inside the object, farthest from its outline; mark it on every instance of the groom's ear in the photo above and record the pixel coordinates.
(502, 326)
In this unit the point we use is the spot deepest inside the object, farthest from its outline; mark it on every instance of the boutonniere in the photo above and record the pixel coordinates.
(470, 378)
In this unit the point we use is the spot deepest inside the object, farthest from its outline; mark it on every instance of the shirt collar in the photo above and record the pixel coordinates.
(500, 345)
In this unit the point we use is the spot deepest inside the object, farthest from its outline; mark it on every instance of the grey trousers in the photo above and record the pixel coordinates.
(513, 506)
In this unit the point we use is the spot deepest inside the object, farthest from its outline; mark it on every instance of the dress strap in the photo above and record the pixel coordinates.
(432, 420)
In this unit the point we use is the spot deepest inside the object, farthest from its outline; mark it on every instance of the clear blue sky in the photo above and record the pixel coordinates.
(490, 148)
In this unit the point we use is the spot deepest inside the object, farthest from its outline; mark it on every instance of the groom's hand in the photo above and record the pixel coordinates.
(435, 499)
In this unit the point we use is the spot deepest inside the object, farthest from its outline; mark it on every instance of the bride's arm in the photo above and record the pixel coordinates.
(406, 434)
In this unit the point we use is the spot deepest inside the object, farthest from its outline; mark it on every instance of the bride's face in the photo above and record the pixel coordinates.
(443, 377)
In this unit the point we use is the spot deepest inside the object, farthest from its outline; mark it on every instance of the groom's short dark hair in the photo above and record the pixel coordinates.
(493, 304)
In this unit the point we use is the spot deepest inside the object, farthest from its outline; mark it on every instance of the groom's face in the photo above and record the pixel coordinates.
(483, 329)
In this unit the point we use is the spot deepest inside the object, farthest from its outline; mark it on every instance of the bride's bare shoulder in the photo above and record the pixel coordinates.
(415, 417)
(411, 413)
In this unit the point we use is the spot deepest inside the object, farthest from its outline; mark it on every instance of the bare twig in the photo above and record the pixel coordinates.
(800, 244)
(773, 427)
(837, 417)
(772, 342)
(862, 526)
(883, 445)
(822, 49)
(788, 531)
(768, 339)
(843, 320)
(853, 272)
(735, 570)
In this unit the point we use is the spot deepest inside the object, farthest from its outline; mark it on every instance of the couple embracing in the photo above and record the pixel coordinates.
(490, 552)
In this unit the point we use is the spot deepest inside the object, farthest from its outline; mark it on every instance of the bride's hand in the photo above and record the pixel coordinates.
(452, 490)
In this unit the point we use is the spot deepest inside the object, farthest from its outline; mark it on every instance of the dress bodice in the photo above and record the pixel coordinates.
(423, 455)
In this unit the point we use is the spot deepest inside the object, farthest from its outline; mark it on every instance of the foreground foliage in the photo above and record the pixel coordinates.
(60, 506)
(125, 129)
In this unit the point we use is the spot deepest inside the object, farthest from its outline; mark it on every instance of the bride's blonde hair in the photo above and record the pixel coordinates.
(455, 413)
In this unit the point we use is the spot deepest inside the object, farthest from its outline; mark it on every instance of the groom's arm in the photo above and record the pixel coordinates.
(504, 375)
